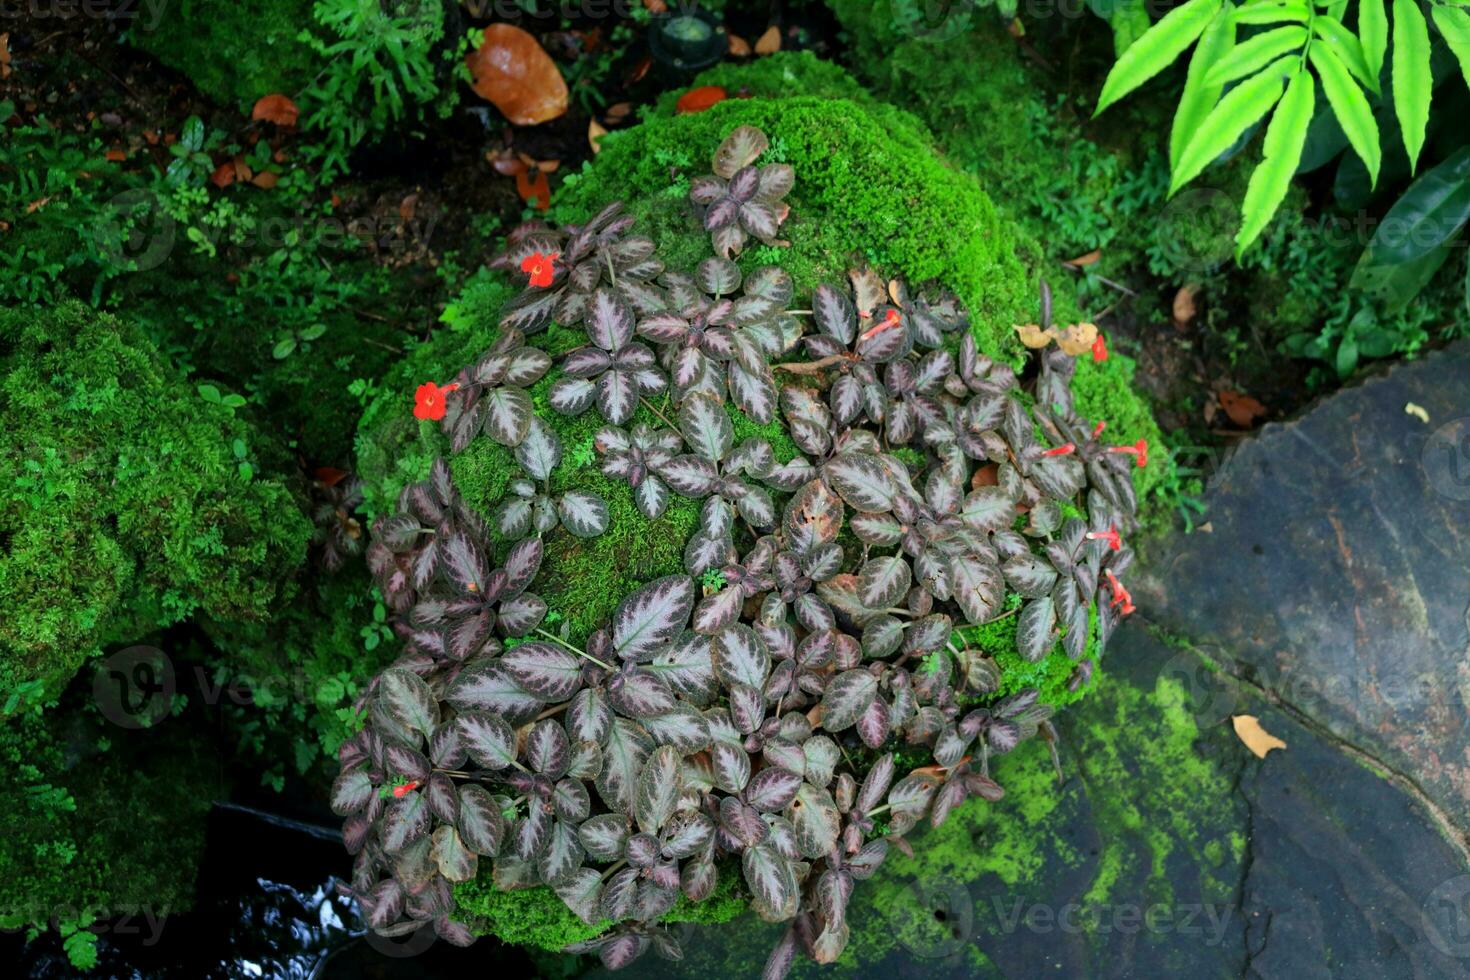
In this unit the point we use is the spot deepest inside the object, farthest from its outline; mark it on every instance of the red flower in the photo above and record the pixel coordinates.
(1122, 600)
(1097, 429)
(540, 266)
(428, 401)
(399, 792)
(1111, 536)
(890, 320)
(1065, 450)
(1100, 348)
(1139, 451)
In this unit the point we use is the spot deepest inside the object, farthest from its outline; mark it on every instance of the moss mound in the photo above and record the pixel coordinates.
(870, 186)
(128, 500)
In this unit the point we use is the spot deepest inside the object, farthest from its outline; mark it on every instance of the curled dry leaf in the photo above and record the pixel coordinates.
(276, 109)
(1185, 305)
(595, 132)
(1077, 339)
(769, 42)
(514, 72)
(1248, 729)
(739, 47)
(1033, 336)
(700, 99)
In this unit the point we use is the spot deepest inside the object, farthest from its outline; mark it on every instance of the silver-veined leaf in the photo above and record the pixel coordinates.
(508, 414)
(772, 882)
(658, 789)
(628, 745)
(544, 669)
(706, 426)
(740, 656)
(653, 616)
(1034, 628)
(481, 819)
(490, 741)
(456, 862)
(583, 514)
(846, 698)
(540, 450)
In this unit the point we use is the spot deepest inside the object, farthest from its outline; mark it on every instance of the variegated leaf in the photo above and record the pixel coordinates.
(652, 617)
(481, 823)
(815, 820)
(658, 789)
(508, 415)
(604, 836)
(687, 666)
(455, 861)
(1034, 628)
(740, 149)
(490, 687)
(583, 514)
(680, 726)
(740, 656)
(490, 741)
(883, 582)
(548, 750)
(540, 450)
(562, 856)
(571, 396)
(628, 745)
(589, 717)
(862, 480)
(772, 789)
(406, 699)
(610, 322)
(581, 892)
(772, 883)
(706, 427)
(544, 669)
(847, 697)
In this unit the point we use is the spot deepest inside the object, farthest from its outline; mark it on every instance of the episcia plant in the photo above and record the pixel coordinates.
(1266, 58)
(802, 694)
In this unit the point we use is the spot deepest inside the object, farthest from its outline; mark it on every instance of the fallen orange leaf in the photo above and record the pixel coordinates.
(769, 42)
(700, 99)
(265, 180)
(1242, 409)
(1083, 260)
(532, 185)
(4, 57)
(116, 156)
(276, 109)
(37, 205)
(1185, 306)
(617, 112)
(224, 175)
(1248, 729)
(739, 47)
(513, 71)
(595, 133)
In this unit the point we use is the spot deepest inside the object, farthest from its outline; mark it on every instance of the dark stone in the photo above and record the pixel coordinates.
(1337, 576)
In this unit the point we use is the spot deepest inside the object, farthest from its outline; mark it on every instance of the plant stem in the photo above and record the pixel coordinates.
(649, 405)
(581, 653)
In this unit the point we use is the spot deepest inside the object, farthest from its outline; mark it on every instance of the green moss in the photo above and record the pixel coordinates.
(235, 53)
(868, 184)
(536, 917)
(123, 505)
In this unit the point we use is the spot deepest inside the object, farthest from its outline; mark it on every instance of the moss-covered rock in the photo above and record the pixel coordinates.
(128, 500)
(869, 186)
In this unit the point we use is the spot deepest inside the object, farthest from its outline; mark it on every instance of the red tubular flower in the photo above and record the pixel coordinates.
(1097, 429)
(1111, 536)
(428, 400)
(1122, 600)
(1139, 451)
(1100, 349)
(1065, 450)
(399, 792)
(890, 320)
(541, 268)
